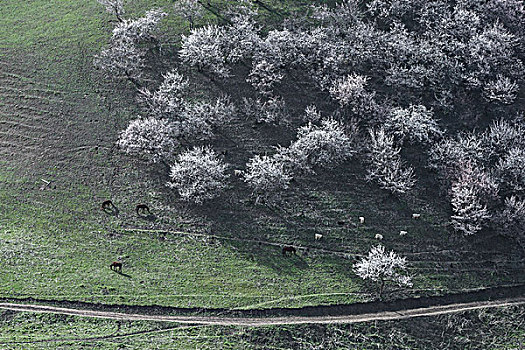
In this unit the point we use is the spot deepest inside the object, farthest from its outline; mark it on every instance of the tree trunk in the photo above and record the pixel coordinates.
(381, 288)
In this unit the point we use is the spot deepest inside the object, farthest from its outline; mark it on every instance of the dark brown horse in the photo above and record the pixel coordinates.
(142, 208)
(289, 249)
(116, 266)
(107, 205)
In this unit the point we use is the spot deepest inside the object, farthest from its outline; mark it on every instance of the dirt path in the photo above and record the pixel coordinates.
(269, 321)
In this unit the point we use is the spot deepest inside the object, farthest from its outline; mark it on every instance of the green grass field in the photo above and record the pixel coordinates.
(59, 120)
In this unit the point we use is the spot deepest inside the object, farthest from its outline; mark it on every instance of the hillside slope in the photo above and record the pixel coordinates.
(59, 120)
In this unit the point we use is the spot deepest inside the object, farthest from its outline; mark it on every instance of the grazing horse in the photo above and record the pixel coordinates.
(289, 249)
(142, 208)
(116, 266)
(107, 204)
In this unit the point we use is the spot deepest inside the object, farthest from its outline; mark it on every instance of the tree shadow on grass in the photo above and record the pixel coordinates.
(111, 211)
(149, 217)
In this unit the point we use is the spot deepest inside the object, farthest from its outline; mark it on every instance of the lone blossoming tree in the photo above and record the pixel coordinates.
(382, 267)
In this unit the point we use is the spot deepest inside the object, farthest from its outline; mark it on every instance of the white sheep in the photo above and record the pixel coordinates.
(318, 236)
(361, 220)
(237, 172)
(416, 216)
(379, 236)
(402, 233)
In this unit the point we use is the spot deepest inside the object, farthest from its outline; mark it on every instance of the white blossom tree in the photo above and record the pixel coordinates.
(385, 166)
(350, 91)
(283, 48)
(272, 110)
(124, 57)
(511, 221)
(243, 32)
(311, 114)
(466, 194)
(320, 146)
(382, 267)
(415, 124)
(267, 174)
(192, 120)
(448, 155)
(503, 136)
(154, 139)
(140, 29)
(199, 119)
(198, 175)
(491, 51)
(208, 48)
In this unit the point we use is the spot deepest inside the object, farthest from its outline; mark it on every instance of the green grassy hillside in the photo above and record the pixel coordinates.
(59, 120)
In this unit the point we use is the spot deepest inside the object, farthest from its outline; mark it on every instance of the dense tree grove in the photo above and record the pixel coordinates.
(383, 76)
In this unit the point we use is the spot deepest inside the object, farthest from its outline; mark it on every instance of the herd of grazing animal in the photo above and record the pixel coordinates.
(142, 209)
(108, 207)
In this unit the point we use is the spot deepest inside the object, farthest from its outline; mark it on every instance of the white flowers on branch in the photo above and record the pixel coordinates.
(140, 29)
(512, 219)
(154, 139)
(511, 169)
(381, 267)
(501, 90)
(214, 47)
(122, 59)
(349, 89)
(115, 7)
(502, 136)
(198, 119)
(272, 110)
(189, 9)
(198, 175)
(351, 94)
(448, 155)
(415, 124)
(385, 166)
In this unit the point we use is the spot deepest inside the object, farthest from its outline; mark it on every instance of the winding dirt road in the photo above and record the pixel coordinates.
(269, 321)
